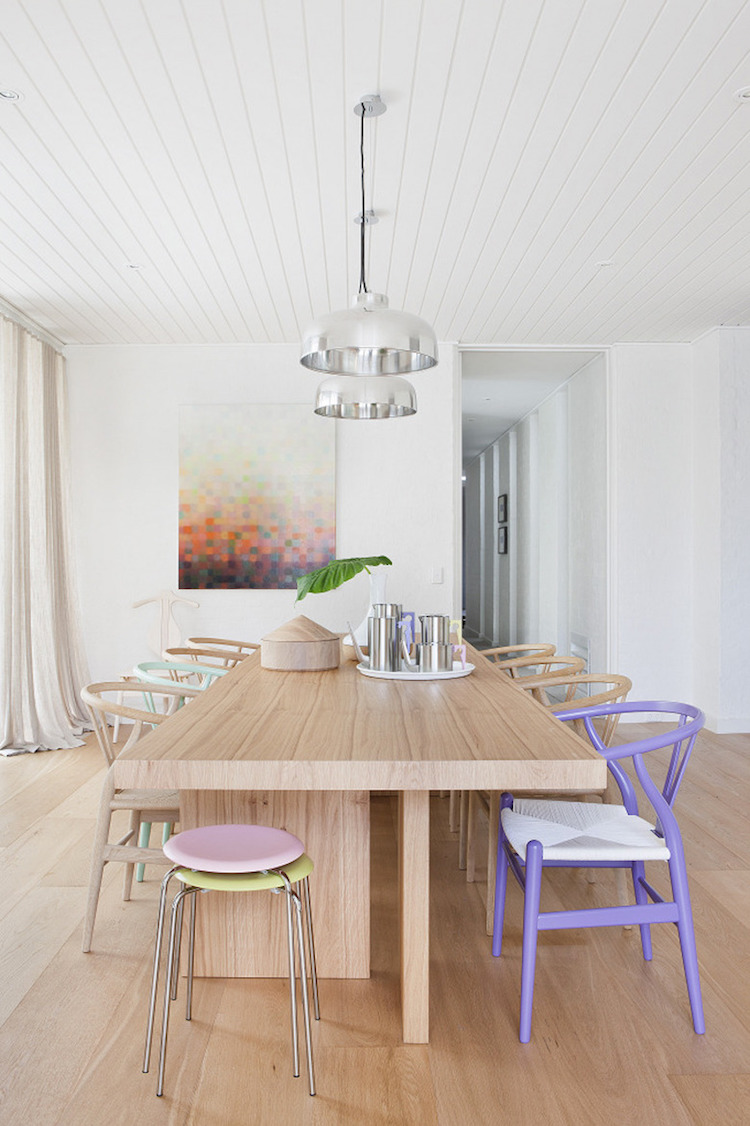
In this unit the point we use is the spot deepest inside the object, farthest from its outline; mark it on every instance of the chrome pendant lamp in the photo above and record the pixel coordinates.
(367, 348)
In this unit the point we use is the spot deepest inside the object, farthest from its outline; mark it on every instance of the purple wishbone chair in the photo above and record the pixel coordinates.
(535, 834)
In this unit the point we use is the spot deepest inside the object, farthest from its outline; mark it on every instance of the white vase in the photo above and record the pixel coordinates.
(378, 581)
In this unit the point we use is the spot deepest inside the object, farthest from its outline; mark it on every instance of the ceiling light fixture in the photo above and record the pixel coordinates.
(366, 348)
(10, 95)
(365, 397)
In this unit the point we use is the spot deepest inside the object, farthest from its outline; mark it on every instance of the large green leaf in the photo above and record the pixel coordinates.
(335, 573)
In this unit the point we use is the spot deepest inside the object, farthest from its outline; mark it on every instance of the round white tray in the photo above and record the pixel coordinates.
(404, 674)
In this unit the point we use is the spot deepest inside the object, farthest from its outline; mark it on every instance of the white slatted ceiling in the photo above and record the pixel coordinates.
(525, 141)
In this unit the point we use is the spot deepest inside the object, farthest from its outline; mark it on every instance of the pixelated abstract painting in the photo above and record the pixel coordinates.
(257, 495)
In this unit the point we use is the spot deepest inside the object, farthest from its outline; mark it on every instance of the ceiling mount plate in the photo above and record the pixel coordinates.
(370, 105)
(369, 220)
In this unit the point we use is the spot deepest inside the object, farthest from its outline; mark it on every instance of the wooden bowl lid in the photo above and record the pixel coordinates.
(301, 629)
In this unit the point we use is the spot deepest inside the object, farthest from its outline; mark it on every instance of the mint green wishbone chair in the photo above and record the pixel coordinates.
(180, 672)
(171, 672)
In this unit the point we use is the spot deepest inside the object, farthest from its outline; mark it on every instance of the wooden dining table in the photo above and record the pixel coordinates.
(304, 750)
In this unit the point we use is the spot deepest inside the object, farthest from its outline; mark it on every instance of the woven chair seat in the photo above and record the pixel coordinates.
(581, 831)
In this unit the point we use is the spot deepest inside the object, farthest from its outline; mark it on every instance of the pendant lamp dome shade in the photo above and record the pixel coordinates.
(342, 396)
(367, 347)
(369, 339)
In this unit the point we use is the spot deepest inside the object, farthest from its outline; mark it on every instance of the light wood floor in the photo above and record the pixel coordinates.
(612, 1040)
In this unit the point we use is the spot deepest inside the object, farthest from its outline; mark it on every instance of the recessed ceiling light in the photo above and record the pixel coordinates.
(10, 95)
(133, 266)
(605, 262)
(743, 94)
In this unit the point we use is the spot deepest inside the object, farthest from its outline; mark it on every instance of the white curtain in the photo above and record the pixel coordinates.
(42, 665)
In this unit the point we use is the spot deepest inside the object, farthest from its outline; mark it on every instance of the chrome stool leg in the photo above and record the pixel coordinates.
(177, 951)
(311, 946)
(292, 979)
(305, 996)
(176, 917)
(191, 960)
(155, 974)
(293, 898)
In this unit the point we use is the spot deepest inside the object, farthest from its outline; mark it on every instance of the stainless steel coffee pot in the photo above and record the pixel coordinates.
(384, 643)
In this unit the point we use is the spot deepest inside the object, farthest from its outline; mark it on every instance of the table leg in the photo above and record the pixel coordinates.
(463, 829)
(414, 884)
(244, 934)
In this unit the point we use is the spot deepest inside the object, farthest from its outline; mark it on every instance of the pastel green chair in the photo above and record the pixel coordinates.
(181, 672)
(165, 672)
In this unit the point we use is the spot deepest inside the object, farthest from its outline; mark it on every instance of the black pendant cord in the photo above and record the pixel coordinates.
(362, 282)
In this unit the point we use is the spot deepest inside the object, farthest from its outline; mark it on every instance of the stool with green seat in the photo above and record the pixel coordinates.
(232, 858)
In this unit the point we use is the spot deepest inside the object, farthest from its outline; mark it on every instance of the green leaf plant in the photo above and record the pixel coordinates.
(335, 573)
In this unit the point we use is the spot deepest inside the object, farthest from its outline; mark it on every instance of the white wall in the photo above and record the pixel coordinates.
(554, 594)
(721, 522)
(706, 522)
(397, 492)
(586, 458)
(505, 608)
(735, 528)
(525, 540)
(651, 505)
(681, 522)
(473, 550)
(489, 519)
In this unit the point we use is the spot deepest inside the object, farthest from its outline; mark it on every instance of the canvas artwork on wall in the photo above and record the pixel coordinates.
(257, 495)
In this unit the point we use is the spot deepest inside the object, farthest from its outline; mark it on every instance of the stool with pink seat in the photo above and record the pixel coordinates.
(234, 858)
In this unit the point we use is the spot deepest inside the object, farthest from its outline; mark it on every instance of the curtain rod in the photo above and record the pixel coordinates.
(16, 315)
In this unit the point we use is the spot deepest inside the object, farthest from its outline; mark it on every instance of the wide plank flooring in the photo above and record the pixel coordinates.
(612, 1040)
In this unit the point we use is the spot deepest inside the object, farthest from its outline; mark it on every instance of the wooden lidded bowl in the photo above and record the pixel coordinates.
(300, 645)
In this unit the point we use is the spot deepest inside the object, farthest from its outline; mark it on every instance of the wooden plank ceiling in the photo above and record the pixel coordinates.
(567, 172)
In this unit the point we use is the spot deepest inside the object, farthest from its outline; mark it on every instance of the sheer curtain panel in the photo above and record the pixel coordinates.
(42, 666)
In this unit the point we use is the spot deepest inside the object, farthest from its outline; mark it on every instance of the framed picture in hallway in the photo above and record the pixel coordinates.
(502, 541)
(502, 508)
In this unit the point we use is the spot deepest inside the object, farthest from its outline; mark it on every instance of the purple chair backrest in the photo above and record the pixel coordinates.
(681, 738)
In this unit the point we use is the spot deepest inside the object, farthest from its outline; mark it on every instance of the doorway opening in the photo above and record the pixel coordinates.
(534, 432)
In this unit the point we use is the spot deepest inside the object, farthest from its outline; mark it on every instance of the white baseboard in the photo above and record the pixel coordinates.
(728, 725)
(644, 717)
(720, 725)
